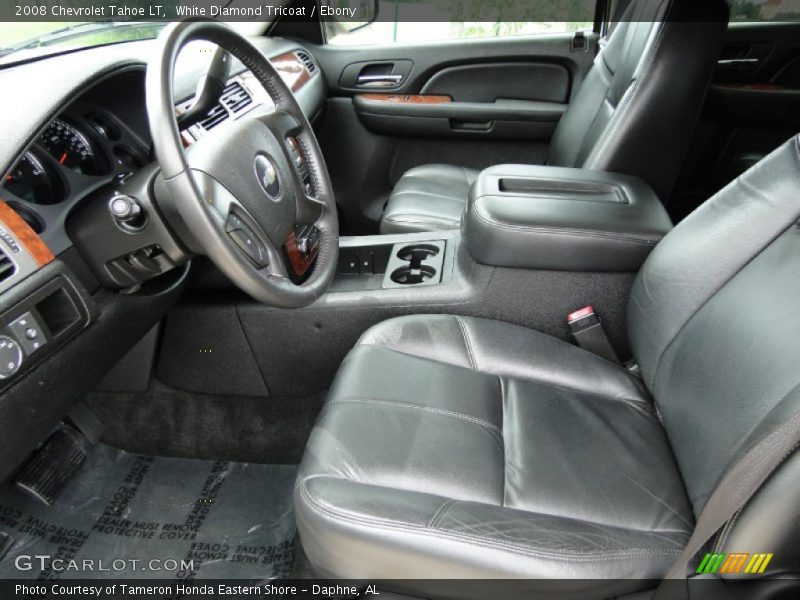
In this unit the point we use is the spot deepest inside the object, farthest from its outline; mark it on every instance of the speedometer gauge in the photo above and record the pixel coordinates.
(71, 148)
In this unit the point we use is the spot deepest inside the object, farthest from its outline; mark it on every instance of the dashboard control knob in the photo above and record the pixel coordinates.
(10, 356)
(125, 209)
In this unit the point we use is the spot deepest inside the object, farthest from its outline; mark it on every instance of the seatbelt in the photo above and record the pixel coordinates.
(737, 486)
(588, 331)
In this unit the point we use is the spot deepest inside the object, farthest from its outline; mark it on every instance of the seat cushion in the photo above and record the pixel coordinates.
(453, 447)
(428, 198)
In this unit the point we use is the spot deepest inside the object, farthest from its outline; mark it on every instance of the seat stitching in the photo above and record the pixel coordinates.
(479, 541)
(613, 125)
(631, 401)
(440, 411)
(502, 433)
(465, 173)
(410, 179)
(492, 430)
(467, 343)
(797, 148)
(434, 522)
(520, 510)
(563, 231)
(401, 218)
(605, 71)
(423, 193)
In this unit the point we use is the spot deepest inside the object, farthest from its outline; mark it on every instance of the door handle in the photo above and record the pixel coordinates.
(735, 62)
(379, 81)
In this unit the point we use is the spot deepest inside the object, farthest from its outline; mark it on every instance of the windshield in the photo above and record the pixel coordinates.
(19, 41)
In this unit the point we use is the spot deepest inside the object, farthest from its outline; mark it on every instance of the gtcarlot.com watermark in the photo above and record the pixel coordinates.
(45, 562)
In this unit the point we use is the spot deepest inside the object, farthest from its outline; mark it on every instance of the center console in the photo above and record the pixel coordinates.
(536, 244)
(393, 264)
(554, 218)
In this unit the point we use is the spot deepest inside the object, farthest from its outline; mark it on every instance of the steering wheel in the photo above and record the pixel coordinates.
(237, 189)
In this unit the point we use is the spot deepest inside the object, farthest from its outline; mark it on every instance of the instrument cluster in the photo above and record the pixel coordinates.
(78, 150)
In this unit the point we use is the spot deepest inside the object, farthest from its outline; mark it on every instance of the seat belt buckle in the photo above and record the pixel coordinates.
(588, 331)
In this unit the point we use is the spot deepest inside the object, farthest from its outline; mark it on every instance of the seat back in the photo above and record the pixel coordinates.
(714, 322)
(637, 108)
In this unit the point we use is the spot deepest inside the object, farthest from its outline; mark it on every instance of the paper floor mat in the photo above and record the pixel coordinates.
(233, 520)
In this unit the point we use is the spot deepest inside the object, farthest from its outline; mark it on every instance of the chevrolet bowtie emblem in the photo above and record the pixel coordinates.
(267, 176)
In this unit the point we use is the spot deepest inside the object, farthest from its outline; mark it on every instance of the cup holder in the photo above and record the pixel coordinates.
(412, 276)
(418, 252)
(415, 264)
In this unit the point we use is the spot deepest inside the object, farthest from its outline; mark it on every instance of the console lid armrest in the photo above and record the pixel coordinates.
(556, 218)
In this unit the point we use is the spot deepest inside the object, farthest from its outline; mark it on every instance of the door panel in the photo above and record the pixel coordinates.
(375, 75)
(507, 100)
(494, 81)
(472, 103)
(757, 82)
(753, 106)
(501, 119)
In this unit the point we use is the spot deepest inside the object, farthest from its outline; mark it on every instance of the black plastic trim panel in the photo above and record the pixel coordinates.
(38, 399)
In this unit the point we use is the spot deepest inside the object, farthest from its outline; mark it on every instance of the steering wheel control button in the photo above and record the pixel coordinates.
(126, 211)
(250, 245)
(10, 357)
(301, 166)
(247, 241)
(29, 333)
(234, 223)
(267, 175)
(307, 237)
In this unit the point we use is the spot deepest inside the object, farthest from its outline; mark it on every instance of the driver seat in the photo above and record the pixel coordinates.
(455, 447)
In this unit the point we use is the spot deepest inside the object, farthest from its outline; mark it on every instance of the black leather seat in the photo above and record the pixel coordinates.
(634, 113)
(456, 447)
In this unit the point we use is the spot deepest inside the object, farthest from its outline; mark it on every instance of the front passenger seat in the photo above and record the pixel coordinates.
(454, 447)
(634, 113)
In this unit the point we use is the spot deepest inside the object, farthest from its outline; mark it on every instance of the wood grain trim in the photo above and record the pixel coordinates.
(300, 262)
(407, 98)
(291, 69)
(26, 236)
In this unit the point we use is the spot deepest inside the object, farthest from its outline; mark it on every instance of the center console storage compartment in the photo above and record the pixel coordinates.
(556, 218)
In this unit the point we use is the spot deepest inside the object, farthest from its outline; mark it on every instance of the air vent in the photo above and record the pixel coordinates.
(7, 266)
(216, 115)
(306, 61)
(235, 98)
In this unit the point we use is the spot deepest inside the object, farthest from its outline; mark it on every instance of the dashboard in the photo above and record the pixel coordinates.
(75, 131)
(102, 135)
(85, 146)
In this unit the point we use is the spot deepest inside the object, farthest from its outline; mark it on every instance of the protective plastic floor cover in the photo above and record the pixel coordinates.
(233, 520)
